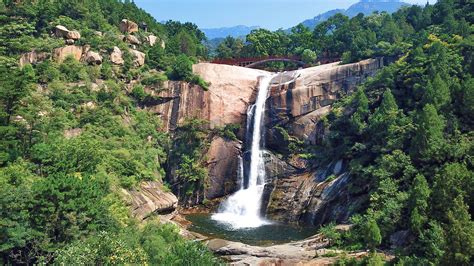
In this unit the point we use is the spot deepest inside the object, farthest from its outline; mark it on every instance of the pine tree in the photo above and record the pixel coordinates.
(372, 235)
(459, 235)
(428, 142)
(418, 203)
(437, 93)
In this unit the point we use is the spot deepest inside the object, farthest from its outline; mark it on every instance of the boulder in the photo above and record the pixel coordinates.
(60, 31)
(138, 58)
(98, 33)
(93, 58)
(73, 35)
(152, 40)
(128, 26)
(116, 56)
(132, 40)
(150, 198)
(32, 58)
(59, 54)
(72, 133)
(69, 41)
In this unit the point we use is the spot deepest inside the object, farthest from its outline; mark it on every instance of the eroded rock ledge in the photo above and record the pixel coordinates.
(150, 198)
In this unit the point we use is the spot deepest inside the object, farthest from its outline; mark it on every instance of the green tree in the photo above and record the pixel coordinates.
(428, 142)
(459, 234)
(437, 93)
(309, 56)
(372, 235)
(418, 203)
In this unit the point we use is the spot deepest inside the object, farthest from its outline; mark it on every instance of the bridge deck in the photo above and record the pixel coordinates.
(254, 61)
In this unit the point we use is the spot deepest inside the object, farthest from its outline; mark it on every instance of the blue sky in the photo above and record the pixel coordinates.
(271, 14)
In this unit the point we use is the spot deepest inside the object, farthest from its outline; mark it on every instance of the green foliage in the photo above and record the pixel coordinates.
(229, 131)
(332, 234)
(309, 56)
(372, 235)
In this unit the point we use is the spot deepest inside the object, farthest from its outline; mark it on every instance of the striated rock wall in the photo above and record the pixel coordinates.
(298, 99)
(300, 92)
(223, 164)
(315, 197)
(226, 101)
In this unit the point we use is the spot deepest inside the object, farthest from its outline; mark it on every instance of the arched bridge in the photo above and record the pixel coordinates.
(257, 61)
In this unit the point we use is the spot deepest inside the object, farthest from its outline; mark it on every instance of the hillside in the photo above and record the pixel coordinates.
(365, 7)
(236, 31)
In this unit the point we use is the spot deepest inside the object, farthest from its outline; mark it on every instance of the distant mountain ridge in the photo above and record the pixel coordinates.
(236, 31)
(366, 7)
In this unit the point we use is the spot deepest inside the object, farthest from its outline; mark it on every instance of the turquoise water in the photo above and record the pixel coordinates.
(275, 233)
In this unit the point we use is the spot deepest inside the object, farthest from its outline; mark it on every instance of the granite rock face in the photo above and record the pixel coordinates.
(223, 166)
(300, 92)
(315, 197)
(226, 101)
(59, 54)
(150, 198)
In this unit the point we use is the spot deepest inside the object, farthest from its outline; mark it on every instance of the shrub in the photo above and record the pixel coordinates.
(138, 92)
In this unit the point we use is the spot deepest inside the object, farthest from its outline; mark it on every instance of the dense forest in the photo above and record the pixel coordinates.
(407, 132)
(59, 200)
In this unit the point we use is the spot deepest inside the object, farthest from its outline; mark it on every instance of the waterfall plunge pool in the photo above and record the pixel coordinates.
(265, 235)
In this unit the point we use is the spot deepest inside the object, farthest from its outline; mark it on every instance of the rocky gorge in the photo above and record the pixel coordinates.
(296, 103)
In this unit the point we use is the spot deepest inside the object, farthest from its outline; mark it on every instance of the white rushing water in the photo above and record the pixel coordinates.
(242, 209)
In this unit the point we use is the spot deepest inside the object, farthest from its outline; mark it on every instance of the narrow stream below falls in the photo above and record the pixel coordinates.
(265, 235)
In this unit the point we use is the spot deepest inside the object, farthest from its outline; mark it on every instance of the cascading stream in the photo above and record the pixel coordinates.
(242, 209)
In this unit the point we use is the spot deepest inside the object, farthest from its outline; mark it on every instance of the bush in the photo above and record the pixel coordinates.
(153, 79)
(329, 231)
(73, 70)
(138, 92)
(182, 68)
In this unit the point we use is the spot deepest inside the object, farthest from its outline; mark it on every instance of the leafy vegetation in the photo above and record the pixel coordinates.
(407, 139)
(72, 135)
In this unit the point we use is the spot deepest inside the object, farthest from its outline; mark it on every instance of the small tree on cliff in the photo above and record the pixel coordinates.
(372, 234)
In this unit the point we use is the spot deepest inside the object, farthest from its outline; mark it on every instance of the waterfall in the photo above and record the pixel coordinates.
(242, 209)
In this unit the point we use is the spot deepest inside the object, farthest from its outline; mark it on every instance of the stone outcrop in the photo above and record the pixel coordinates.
(33, 58)
(93, 58)
(59, 54)
(223, 166)
(116, 56)
(150, 198)
(128, 26)
(138, 58)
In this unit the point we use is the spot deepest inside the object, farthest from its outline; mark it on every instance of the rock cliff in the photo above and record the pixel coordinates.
(297, 102)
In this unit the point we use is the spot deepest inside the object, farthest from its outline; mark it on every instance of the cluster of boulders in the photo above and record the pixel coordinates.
(129, 27)
(83, 53)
